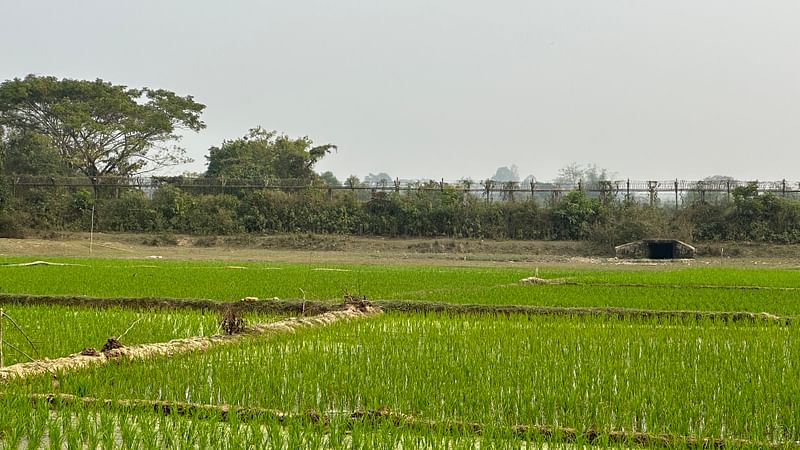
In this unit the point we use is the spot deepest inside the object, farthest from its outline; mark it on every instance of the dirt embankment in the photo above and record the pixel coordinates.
(385, 416)
(721, 316)
(323, 248)
(91, 357)
(306, 308)
(317, 308)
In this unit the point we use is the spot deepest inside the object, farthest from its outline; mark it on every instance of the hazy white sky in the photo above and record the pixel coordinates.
(431, 89)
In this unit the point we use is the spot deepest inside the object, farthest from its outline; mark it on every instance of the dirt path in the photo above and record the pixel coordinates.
(300, 248)
(90, 357)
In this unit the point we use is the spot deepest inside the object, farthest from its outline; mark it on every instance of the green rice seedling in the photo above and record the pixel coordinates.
(663, 287)
(674, 376)
(56, 331)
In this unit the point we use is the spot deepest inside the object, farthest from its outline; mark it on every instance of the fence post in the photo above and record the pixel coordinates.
(676, 194)
(628, 190)
(783, 188)
(728, 190)
(651, 186)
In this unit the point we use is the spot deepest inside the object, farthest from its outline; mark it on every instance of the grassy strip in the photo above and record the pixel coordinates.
(380, 418)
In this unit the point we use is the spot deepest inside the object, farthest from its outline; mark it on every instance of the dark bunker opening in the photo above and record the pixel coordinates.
(661, 250)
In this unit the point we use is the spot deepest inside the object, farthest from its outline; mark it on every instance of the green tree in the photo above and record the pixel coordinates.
(330, 179)
(28, 153)
(3, 189)
(262, 154)
(99, 128)
(575, 215)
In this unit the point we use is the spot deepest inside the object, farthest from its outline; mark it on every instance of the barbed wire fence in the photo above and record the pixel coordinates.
(666, 193)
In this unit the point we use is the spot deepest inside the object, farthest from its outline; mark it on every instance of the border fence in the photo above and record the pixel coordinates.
(654, 192)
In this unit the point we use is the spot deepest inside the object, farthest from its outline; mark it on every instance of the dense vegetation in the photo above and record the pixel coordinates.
(105, 134)
(421, 213)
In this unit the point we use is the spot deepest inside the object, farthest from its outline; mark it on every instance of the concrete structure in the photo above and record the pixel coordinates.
(655, 249)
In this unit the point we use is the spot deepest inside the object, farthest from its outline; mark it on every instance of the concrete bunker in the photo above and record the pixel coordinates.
(655, 249)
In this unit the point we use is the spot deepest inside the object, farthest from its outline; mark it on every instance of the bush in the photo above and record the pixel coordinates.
(627, 223)
(575, 215)
(132, 212)
(10, 227)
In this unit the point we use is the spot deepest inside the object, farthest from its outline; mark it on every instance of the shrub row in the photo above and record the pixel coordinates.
(450, 213)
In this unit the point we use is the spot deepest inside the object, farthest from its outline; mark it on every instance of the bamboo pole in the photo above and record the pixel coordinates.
(1, 339)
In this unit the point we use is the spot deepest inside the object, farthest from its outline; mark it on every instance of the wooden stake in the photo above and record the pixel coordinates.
(1, 339)
(91, 232)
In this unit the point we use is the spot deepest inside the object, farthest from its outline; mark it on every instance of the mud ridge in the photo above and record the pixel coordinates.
(731, 287)
(316, 307)
(310, 307)
(177, 346)
(381, 417)
(722, 316)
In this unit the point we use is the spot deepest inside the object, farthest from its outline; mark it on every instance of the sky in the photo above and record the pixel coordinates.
(431, 89)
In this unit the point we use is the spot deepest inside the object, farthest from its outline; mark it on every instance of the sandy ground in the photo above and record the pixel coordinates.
(306, 248)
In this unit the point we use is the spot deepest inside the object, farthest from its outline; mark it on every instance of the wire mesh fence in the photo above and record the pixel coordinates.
(674, 192)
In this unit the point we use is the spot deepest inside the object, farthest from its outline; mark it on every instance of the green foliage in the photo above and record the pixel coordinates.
(131, 212)
(98, 128)
(751, 217)
(630, 222)
(263, 155)
(575, 215)
(10, 227)
(173, 205)
(430, 210)
(4, 194)
(526, 220)
(80, 209)
(330, 179)
(28, 153)
(202, 214)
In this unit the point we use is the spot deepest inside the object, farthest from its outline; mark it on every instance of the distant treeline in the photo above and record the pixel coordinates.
(747, 216)
(96, 132)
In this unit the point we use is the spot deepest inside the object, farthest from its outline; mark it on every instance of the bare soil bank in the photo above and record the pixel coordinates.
(350, 249)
